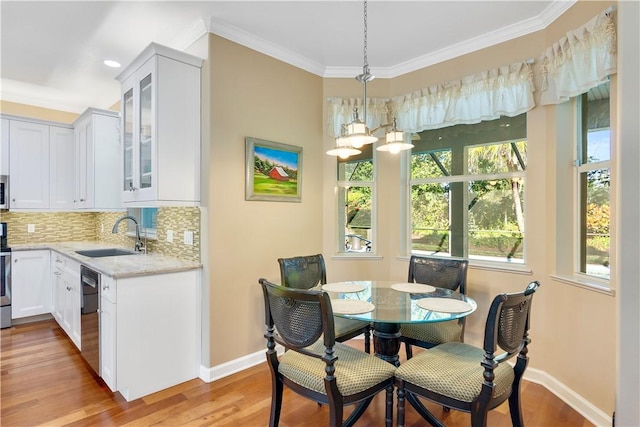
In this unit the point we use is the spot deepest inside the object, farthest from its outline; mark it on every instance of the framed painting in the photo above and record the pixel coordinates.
(273, 171)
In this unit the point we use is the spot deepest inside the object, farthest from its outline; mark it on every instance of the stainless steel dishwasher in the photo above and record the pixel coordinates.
(90, 317)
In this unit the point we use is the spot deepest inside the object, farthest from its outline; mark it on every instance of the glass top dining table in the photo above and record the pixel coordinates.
(389, 304)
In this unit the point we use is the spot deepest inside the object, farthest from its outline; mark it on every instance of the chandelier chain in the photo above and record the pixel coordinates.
(365, 68)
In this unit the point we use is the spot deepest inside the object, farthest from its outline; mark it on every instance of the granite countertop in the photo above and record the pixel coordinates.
(115, 266)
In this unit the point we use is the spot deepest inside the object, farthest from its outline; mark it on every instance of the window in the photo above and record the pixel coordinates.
(147, 219)
(466, 195)
(593, 175)
(356, 213)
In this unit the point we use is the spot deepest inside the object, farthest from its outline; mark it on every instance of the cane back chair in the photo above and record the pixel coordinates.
(473, 379)
(315, 365)
(306, 272)
(446, 273)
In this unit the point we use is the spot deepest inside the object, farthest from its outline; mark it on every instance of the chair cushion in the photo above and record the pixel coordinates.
(454, 370)
(356, 370)
(435, 333)
(344, 326)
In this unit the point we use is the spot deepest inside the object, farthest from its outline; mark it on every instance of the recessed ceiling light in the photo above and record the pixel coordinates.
(112, 64)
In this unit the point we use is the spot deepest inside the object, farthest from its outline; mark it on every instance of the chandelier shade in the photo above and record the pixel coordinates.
(343, 148)
(394, 141)
(358, 133)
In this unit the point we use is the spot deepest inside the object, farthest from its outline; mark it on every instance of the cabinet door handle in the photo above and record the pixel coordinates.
(131, 187)
(58, 273)
(82, 200)
(105, 287)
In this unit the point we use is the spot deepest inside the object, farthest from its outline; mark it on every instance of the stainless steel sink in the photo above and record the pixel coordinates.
(98, 253)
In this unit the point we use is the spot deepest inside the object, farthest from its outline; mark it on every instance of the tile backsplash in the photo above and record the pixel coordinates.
(49, 227)
(97, 226)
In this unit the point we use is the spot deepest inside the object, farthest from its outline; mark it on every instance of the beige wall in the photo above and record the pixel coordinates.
(257, 96)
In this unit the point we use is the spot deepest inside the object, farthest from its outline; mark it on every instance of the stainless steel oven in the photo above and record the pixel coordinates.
(5, 278)
(90, 317)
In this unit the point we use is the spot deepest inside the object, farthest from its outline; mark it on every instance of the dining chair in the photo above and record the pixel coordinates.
(473, 379)
(309, 271)
(315, 365)
(446, 273)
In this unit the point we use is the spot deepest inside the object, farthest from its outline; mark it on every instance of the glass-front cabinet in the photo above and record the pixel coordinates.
(161, 128)
(145, 168)
(127, 139)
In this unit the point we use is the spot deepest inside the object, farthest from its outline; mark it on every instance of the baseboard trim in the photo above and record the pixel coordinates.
(228, 368)
(570, 397)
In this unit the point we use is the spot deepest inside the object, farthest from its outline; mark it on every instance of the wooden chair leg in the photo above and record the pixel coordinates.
(401, 402)
(388, 414)
(276, 403)
(409, 350)
(367, 341)
(335, 415)
(514, 408)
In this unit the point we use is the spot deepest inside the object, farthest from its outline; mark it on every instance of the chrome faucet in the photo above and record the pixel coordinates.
(139, 247)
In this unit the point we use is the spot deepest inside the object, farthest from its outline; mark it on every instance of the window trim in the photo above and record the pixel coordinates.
(340, 252)
(148, 233)
(405, 241)
(578, 277)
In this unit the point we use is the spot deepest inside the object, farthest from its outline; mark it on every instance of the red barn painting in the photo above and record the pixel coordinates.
(279, 174)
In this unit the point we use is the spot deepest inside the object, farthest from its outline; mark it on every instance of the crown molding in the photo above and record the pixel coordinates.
(249, 40)
(190, 34)
(510, 32)
(215, 26)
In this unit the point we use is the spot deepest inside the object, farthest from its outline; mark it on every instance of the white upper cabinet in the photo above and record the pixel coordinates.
(41, 165)
(97, 160)
(62, 181)
(4, 148)
(29, 165)
(160, 129)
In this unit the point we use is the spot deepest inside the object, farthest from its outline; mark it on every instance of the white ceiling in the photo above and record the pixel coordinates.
(52, 51)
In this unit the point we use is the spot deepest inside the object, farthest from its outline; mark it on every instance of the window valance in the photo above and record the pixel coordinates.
(579, 61)
(504, 91)
(341, 112)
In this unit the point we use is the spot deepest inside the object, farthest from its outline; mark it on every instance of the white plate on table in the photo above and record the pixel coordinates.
(351, 306)
(344, 287)
(413, 288)
(444, 305)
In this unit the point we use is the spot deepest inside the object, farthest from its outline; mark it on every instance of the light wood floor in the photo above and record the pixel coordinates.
(44, 381)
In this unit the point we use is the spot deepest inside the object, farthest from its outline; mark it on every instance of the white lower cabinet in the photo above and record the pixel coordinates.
(150, 332)
(31, 283)
(67, 298)
(108, 332)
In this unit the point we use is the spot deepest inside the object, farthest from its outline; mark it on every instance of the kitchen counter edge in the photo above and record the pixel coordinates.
(117, 267)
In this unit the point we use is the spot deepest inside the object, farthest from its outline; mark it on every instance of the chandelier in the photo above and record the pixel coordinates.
(356, 134)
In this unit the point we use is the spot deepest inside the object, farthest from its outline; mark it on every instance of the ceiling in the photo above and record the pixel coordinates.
(52, 52)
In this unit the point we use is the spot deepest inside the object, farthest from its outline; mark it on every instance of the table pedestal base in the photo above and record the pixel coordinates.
(386, 341)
